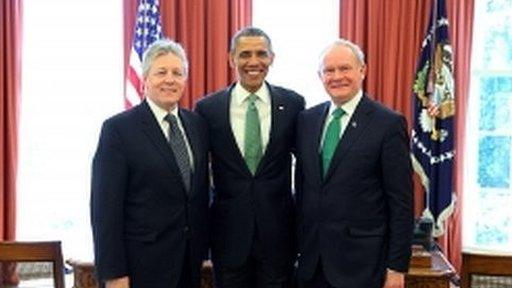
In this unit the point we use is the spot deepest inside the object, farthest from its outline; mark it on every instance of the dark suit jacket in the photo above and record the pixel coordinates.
(242, 202)
(359, 219)
(141, 214)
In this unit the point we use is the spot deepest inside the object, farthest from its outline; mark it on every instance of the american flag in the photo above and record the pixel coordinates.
(147, 30)
(433, 132)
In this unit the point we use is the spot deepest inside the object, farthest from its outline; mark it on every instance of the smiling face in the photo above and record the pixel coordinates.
(165, 81)
(342, 74)
(251, 59)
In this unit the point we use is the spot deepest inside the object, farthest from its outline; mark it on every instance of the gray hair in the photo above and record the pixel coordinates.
(161, 47)
(356, 50)
(249, 32)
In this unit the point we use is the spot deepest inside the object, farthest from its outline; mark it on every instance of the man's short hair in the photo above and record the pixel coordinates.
(356, 50)
(249, 32)
(161, 47)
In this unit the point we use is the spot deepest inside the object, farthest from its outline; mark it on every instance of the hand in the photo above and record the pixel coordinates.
(394, 279)
(123, 282)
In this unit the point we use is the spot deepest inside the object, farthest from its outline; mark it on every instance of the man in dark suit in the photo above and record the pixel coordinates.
(252, 125)
(354, 183)
(149, 200)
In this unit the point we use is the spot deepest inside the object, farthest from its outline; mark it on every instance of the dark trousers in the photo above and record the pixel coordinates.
(186, 280)
(318, 280)
(255, 272)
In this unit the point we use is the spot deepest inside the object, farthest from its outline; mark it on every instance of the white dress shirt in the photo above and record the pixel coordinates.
(238, 109)
(160, 114)
(349, 108)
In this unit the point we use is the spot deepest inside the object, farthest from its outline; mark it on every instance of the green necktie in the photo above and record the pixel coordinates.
(332, 136)
(252, 142)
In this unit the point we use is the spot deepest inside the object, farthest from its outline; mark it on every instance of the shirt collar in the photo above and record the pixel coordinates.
(240, 94)
(348, 107)
(159, 112)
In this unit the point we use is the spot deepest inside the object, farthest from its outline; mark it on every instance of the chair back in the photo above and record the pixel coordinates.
(482, 269)
(50, 251)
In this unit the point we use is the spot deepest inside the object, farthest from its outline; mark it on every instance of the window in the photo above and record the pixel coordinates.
(298, 39)
(488, 157)
(72, 81)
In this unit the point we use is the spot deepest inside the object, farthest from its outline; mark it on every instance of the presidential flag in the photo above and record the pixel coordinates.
(147, 30)
(433, 135)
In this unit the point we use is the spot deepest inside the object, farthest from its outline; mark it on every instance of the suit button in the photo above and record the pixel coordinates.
(186, 231)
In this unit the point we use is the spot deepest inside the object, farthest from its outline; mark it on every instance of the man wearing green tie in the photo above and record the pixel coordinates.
(353, 183)
(252, 131)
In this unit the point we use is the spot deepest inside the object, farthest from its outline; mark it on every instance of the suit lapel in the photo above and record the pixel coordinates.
(151, 128)
(225, 120)
(193, 141)
(319, 116)
(277, 108)
(354, 129)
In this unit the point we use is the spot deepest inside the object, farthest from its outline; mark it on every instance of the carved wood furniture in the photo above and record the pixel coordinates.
(50, 251)
(495, 269)
(432, 270)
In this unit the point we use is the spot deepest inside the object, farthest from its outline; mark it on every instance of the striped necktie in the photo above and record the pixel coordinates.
(179, 148)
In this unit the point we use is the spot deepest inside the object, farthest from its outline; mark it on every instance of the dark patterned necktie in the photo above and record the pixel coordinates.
(179, 148)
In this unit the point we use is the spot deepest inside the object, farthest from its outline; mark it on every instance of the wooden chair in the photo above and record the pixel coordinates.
(84, 274)
(479, 264)
(50, 251)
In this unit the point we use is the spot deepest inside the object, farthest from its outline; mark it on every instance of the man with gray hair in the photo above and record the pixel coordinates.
(149, 194)
(353, 183)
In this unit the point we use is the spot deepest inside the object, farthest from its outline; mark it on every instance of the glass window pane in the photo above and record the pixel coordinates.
(72, 81)
(496, 101)
(487, 161)
(494, 223)
(498, 37)
(494, 162)
(296, 50)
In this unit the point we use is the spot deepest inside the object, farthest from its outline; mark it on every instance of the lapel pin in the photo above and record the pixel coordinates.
(354, 124)
(280, 107)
